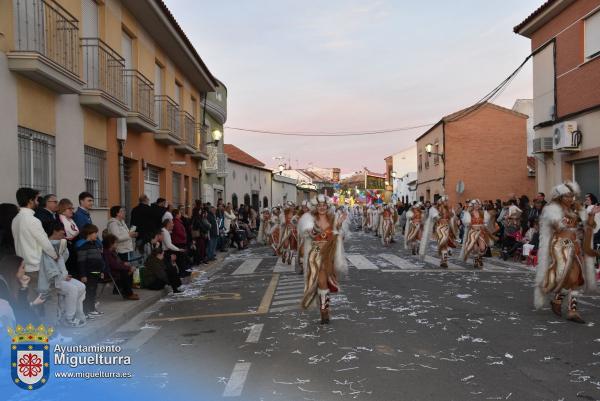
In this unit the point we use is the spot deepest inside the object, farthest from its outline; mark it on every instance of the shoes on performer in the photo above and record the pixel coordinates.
(556, 306)
(574, 316)
(324, 305)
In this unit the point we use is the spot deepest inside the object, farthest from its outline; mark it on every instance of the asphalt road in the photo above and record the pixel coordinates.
(400, 330)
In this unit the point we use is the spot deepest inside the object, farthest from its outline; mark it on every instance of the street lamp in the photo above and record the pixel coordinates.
(281, 168)
(216, 135)
(428, 150)
(393, 174)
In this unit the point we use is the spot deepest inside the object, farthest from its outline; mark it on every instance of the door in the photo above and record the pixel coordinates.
(127, 52)
(586, 175)
(255, 200)
(152, 183)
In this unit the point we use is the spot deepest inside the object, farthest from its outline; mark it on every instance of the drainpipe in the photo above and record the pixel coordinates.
(202, 139)
(122, 175)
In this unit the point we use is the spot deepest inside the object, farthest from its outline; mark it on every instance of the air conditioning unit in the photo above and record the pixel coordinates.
(566, 136)
(543, 145)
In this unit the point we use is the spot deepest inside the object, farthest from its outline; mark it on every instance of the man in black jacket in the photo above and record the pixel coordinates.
(157, 211)
(46, 212)
(141, 218)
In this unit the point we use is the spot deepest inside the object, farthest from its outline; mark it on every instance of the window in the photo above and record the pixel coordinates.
(265, 202)
(37, 161)
(178, 93)
(543, 85)
(152, 183)
(195, 189)
(420, 161)
(176, 189)
(234, 201)
(246, 199)
(592, 36)
(95, 174)
(436, 157)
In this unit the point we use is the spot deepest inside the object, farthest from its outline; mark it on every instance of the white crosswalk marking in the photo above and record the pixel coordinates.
(361, 262)
(236, 382)
(288, 301)
(398, 261)
(291, 295)
(436, 261)
(247, 267)
(255, 332)
(286, 308)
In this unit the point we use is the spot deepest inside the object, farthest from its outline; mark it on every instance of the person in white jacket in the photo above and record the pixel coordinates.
(229, 216)
(29, 235)
(117, 227)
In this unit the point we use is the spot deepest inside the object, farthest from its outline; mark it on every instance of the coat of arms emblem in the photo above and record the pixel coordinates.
(30, 355)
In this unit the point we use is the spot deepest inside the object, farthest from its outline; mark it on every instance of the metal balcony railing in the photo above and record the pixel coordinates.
(221, 164)
(103, 69)
(44, 27)
(167, 116)
(139, 94)
(189, 129)
(201, 137)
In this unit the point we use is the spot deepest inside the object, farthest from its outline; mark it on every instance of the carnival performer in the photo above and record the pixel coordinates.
(478, 234)
(275, 230)
(323, 231)
(288, 244)
(263, 237)
(366, 218)
(377, 211)
(566, 260)
(300, 259)
(442, 221)
(387, 225)
(413, 230)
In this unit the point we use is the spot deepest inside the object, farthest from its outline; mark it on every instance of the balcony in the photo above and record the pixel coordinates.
(216, 163)
(188, 129)
(169, 121)
(139, 97)
(104, 89)
(216, 109)
(46, 45)
(201, 152)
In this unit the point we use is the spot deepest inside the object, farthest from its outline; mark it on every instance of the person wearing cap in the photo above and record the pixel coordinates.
(413, 230)
(324, 231)
(442, 221)
(478, 235)
(566, 259)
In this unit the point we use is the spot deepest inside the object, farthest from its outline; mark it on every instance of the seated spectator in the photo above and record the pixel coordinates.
(155, 241)
(70, 290)
(157, 274)
(121, 272)
(14, 289)
(91, 267)
(125, 237)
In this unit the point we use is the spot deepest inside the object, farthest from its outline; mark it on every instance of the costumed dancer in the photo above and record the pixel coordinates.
(366, 218)
(263, 237)
(300, 259)
(323, 231)
(565, 258)
(387, 225)
(274, 231)
(288, 244)
(377, 211)
(413, 230)
(442, 222)
(478, 233)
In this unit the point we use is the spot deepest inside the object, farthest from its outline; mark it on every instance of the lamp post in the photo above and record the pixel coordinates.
(216, 135)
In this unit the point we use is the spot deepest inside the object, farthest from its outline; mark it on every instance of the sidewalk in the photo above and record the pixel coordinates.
(117, 311)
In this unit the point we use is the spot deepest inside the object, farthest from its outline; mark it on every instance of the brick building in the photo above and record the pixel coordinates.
(565, 41)
(484, 147)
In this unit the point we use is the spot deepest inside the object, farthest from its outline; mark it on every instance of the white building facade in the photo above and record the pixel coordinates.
(284, 190)
(405, 167)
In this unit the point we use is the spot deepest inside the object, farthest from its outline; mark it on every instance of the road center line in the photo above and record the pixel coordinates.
(236, 382)
(255, 333)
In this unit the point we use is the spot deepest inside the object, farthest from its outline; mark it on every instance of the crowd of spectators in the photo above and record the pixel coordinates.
(50, 247)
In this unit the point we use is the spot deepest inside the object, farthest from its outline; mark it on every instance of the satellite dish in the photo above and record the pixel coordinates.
(460, 187)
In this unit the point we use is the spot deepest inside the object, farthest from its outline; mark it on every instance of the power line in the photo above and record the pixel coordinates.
(489, 97)
(337, 134)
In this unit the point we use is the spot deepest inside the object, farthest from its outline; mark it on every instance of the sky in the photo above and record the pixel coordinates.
(346, 65)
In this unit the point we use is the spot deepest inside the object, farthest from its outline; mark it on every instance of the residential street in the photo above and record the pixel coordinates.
(400, 330)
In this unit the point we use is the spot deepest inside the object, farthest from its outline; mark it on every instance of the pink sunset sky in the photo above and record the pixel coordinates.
(344, 65)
